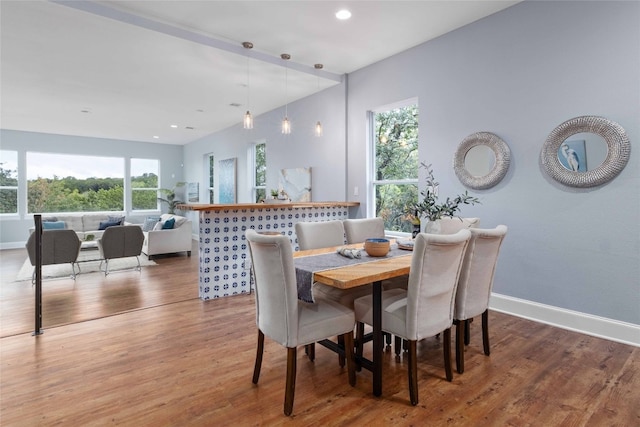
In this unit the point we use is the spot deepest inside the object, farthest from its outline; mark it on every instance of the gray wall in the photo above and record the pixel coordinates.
(325, 155)
(14, 229)
(515, 74)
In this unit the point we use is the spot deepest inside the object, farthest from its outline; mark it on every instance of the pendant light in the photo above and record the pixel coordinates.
(247, 121)
(286, 125)
(318, 130)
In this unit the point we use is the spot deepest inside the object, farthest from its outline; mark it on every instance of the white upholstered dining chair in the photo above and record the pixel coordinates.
(425, 308)
(360, 229)
(323, 234)
(474, 286)
(285, 319)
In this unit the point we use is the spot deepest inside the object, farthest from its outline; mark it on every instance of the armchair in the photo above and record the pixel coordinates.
(119, 242)
(58, 247)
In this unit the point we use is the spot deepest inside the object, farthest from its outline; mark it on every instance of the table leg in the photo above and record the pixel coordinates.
(377, 338)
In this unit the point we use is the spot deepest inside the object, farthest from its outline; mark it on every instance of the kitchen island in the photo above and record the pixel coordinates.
(223, 249)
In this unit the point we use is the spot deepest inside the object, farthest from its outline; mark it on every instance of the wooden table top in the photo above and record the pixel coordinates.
(359, 274)
(259, 206)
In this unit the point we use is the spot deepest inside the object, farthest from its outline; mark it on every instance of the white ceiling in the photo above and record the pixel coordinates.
(130, 69)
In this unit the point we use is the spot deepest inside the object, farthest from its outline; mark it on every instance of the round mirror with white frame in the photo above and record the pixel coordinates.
(586, 151)
(481, 160)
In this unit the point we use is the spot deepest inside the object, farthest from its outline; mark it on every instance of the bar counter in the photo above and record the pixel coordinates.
(222, 247)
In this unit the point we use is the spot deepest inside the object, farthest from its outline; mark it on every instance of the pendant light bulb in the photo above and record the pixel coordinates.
(247, 121)
(318, 129)
(286, 124)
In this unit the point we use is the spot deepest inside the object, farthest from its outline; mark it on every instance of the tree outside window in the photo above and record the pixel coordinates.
(144, 184)
(211, 178)
(260, 175)
(8, 182)
(395, 164)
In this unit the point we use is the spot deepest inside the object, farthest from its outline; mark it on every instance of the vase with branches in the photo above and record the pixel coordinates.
(430, 208)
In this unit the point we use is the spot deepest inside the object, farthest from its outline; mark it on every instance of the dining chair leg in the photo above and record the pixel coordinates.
(446, 344)
(290, 387)
(359, 343)
(310, 351)
(348, 350)
(397, 347)
(413, 372)
(259, 351)
(343, 345)
(359, 338)
(460, 326)
(485, 332)
(467, 331)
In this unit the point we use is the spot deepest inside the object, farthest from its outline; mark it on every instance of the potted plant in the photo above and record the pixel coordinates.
(429, 207)
(170, 197)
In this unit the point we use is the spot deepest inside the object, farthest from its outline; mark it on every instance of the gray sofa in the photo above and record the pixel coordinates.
(83, 224)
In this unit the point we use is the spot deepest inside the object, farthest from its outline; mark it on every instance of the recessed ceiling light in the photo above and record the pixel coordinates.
(174, 126)
(156, 137)
(343, 14)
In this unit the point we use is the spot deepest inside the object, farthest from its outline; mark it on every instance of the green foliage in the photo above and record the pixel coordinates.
(396, 136)
(88, 195)
(170, 197)
(429, 207)
(8, 197)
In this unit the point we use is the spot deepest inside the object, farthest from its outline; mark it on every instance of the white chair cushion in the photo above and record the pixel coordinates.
(394, 311)
(321, 320)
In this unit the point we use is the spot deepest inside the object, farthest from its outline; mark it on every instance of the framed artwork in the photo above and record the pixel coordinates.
(193, 192)
(227, 180)
(573, 155)
(296, 183)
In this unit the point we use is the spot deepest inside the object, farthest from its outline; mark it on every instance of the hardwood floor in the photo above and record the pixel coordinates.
(159, 356)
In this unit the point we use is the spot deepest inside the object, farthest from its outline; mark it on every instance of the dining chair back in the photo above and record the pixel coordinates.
(285, 319)
(323, 234)
(451, 225)
(474, 286)
(426, 307)
(360, 229)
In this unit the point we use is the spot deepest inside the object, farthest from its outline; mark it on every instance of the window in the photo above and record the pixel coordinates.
(211, 178)
(8, 182)
(394, 138)
(144, 184)
(72, 183)
(259, 159)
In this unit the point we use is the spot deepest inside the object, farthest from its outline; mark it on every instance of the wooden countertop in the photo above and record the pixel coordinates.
(221, 207)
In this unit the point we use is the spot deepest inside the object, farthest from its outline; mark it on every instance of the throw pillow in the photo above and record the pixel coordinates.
(116, 218)
(50, 219)
(158, 226)
(53, 225)
(149, 223)
(168, 224)
(106, 224)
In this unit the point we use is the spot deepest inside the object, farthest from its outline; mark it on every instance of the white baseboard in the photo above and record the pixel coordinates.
(601, 327)
(12, 245)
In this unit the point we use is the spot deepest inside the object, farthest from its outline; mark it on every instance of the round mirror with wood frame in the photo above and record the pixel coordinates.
(618, 151)
(499, 167)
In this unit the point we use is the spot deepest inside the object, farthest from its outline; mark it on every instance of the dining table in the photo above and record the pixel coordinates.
(363, 271)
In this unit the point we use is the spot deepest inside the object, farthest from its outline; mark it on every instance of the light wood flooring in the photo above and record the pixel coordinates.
(140, 349)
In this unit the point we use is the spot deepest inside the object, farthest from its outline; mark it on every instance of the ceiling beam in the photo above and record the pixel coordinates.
(149, 24)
